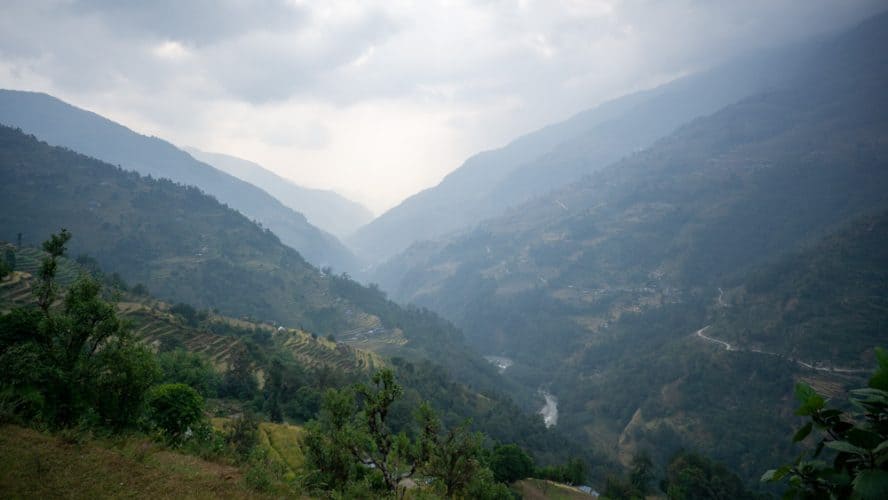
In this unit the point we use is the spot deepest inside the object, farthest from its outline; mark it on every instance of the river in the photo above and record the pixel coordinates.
(549, 411)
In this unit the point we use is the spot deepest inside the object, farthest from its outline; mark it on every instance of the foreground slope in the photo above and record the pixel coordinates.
(596, 290)
(325, 209)
(37, 465)
(490, 182)
(61, 124)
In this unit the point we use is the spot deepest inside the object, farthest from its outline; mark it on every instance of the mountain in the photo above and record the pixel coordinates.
(61, 124)
(597, 290)
(185, 246)
(325, 209)
(490, 182)
(827, 301)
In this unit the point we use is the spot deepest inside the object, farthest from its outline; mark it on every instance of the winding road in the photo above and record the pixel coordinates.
(731, 347)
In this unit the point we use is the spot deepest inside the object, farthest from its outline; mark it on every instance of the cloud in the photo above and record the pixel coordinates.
(375, 98)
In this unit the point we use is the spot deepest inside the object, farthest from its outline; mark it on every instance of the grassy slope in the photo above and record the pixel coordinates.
(36, 465)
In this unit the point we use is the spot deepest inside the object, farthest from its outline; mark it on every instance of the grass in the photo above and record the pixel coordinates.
(284, 443)
(38, 465)
(541, 489)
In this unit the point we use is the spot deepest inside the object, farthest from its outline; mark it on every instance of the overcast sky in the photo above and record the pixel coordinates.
(375, 99)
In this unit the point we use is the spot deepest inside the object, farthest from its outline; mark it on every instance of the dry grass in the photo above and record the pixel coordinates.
(37, 465)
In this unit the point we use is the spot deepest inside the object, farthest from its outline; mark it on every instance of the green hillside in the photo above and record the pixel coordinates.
(314, 362)
(826, 303)
(186, 247)
(596, 290)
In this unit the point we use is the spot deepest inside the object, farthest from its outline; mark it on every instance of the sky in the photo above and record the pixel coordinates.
(376, 99)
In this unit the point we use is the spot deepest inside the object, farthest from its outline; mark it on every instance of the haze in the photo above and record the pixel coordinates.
(376, 100)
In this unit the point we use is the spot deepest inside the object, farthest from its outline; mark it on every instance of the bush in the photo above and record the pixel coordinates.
(510, 463)
(175, 408)
(242, 434)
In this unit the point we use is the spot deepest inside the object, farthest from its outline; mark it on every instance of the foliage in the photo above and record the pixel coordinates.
(617, 488)
(351, 445)
(189, 314)
(856, 439)
(573, 472)
(242, 434)
(75, 362)
(510, 463)
(641, 472)
(189, 368)
(453, 457)
(239, 381)
(690, 476)
(175, 409)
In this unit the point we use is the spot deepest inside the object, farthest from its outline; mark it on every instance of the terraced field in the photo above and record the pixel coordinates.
(151, 321)
(17, 289)
(315, 352)
(371, 335)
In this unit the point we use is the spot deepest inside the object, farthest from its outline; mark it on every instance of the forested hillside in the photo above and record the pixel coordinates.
(599, 287)
(61, 124)
(184, 246)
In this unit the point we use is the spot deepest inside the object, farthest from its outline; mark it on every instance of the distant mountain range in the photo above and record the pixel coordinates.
(490, 182)
(327, 210)
(61, 124)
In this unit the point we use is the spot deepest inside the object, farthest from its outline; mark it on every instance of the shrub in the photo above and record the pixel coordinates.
(175, 408)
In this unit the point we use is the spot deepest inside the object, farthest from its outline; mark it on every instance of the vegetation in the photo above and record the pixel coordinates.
(597, 289)
(78, 364)
(857, 440)
(175, 409)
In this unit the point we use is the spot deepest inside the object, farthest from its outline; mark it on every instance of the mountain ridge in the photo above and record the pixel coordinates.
(62, 124)
(325, 209)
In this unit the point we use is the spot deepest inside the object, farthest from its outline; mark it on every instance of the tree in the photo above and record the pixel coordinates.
(690, 476)
(453, 457)
(189, 368)
(242, 434)
(239, 381)
(274, 388)
(328, 442)
(175, 408)
(7, 263)
(46, 288)
(857, 440)
(641, 473)
(510, 463)
(375, 445)
(79, 362)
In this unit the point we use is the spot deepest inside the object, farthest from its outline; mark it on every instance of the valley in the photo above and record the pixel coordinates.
(677, 289)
